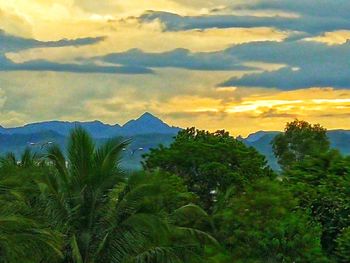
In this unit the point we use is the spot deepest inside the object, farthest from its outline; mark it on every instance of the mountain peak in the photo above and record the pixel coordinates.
(146, 119)
(148, 123)
(147, 115)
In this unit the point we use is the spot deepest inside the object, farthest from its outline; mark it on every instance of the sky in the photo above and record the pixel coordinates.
(237, 65)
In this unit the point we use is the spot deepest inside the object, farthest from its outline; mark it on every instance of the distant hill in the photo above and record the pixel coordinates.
(262, 143)
(258, 135)
(145, 132)
(145, 124)
(340, 139)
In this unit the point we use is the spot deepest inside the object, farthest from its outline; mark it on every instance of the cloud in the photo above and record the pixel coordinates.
(175, 22)
(252, 47)
(180, 97)
(178, 58)
(309, 64)
(108, 97)
(15, 43)
(273, 113)
(321, 8)
(304, 64)
(309, 24)
(14, 24)
(290, 79)
(44, 65)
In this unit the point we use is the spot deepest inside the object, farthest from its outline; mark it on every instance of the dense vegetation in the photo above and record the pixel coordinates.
(205, 198)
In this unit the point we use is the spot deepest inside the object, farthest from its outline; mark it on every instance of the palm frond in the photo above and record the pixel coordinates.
(106, 160)
(80, 156)
(55, 155)
(8, 160)
(28, 158)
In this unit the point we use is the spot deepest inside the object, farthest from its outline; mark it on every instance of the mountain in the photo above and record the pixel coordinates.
(258, 135)
(145, 124)
(340, 139)
(145, 132)
(262, 143)
(140, 144)
(16, 143)
(97, 128)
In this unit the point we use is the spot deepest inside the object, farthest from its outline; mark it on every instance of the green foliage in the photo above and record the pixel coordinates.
(172, 192)
(208, 162)
(322, 185)
(343, 246)
(206, 198)
(107, 219)
(25, 235)
(261, 224)
(299, 140)
(318, 177)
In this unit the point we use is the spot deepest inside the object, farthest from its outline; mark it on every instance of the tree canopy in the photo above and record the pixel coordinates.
(209, 162)
(206, 198)
(299, 140)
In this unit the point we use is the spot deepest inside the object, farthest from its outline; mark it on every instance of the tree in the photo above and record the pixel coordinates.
(343, 246)
(28, 159)
(107, 219)
(299, 140)
(322, 185)
(208, 162)
(262, 224)
(25, 235)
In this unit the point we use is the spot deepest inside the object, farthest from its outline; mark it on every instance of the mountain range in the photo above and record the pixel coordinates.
(145, 132)
(145, 124)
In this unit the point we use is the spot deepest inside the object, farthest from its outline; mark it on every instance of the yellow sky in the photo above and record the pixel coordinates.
(181, 97)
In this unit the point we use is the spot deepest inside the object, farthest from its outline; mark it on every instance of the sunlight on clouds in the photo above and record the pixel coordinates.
(133, 7)
(52, 19)
(322, 101)
(3, 98)
(253, 106)
(263, 66)
(151, 38)
(13, 24)
(36, 11)
(267, 112)
(333, 38)
(180, 97)
(193, 104)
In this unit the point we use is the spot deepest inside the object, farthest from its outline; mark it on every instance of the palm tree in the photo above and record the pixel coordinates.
(106, 218)
(27, 159)
(23, 235)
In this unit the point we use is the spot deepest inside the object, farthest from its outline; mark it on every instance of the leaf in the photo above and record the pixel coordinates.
(75, 251)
